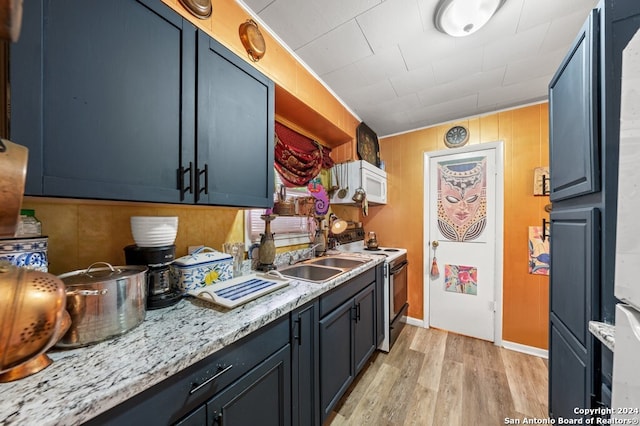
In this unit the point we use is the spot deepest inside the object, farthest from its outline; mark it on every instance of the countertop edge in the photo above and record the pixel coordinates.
(604, 332)
(83, 383)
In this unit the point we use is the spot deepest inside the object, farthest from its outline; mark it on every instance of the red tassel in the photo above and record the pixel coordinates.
(434, 268)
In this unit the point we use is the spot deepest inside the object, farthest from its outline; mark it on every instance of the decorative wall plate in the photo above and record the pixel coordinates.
(368, 148)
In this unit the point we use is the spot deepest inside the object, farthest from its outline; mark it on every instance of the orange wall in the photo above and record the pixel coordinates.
(328, 120)
(524, 132)
(82, 232)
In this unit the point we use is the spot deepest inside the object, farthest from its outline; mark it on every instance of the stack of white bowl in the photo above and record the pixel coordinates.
(154, 231)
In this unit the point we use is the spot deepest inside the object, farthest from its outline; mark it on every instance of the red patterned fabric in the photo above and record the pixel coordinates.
(298, 159)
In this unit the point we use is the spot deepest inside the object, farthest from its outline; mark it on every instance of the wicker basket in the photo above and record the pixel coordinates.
(284, 208)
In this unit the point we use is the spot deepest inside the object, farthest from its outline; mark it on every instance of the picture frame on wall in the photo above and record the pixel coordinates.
(367, 144)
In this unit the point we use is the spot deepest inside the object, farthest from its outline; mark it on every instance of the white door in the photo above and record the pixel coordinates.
(462, 208)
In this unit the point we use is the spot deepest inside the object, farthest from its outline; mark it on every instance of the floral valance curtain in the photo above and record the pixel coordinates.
(298, 159)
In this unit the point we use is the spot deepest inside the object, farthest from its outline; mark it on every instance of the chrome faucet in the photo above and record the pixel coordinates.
(312, 249)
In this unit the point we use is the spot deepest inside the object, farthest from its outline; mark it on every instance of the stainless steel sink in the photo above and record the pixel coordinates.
(338, 262)
(322, 269)
(313, 273)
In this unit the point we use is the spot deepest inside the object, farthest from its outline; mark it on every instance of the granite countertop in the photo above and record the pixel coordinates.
(604, 332)
(82, 383)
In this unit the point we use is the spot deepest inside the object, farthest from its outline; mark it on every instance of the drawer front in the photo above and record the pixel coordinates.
(184, 392)
(336, 297)
(222, 368)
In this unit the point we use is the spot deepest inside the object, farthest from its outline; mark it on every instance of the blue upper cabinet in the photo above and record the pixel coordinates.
(104, 96)
(106, 99)
(573, 115)
(235, 129)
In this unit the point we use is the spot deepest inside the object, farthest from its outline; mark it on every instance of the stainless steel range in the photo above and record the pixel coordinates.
(395, 283)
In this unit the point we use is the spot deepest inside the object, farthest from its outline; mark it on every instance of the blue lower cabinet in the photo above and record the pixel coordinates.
(305, 357)
(336, 356)
(254, 371)
(348, 338)
(261, 397)
(197, 418)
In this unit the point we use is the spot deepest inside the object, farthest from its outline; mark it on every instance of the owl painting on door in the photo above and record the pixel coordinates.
(462, 199)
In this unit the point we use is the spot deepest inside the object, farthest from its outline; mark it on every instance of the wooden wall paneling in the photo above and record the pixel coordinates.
(523, 302)
(520, 213)
(489, 129)
(524, 133)
(473, 125)
(312, 99)
(74, 227)
(510, 292)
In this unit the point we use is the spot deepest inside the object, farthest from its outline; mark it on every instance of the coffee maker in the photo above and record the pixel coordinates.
(161, 290)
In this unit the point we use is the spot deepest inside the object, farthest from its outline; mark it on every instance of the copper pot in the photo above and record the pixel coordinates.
(252, 40)
(33, 318)
(10, 19)
(13, 171)
(199, 8)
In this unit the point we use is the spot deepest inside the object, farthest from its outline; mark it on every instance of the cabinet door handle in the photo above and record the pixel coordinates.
(545, 190)
(298, 337)
(358, 312)
(221, 370)
(545, 235)
(202, 188)
(354, 313)
(184, 188)
(217, 418)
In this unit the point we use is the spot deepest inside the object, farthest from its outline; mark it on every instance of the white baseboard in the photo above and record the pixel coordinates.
(414, 321)
(530, 350)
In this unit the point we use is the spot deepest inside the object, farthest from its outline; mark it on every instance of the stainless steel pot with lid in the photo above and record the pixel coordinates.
(103, 302)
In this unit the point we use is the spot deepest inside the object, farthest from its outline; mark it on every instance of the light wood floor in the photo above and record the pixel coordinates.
(432, 377)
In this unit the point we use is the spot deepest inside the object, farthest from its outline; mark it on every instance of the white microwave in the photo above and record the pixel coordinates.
(359, 174)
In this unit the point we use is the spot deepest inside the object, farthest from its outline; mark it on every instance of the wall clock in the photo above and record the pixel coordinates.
(456, 136)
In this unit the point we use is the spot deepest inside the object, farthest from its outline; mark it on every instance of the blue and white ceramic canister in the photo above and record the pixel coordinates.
(201, 268)
(30, 253)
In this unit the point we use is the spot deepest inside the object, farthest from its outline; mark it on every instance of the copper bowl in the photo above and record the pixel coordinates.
(33, 318)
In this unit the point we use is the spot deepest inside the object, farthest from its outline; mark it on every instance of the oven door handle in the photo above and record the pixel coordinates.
(396, 269)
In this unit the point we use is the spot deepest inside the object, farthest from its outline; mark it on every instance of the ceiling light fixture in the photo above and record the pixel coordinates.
(460, 18)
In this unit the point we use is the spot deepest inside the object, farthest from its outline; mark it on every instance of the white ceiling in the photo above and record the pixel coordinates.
(388, 64)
